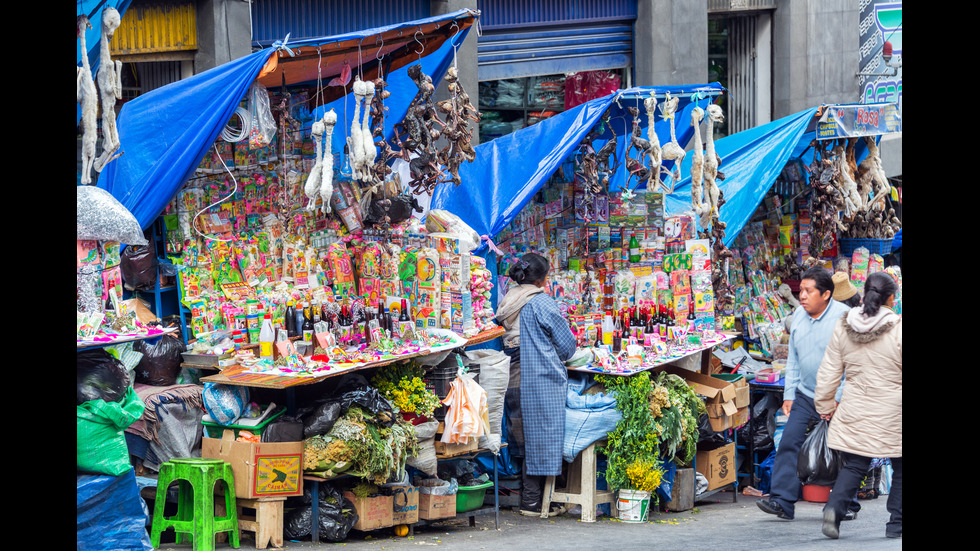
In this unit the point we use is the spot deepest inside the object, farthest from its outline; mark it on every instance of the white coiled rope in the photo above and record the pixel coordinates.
(229, 133)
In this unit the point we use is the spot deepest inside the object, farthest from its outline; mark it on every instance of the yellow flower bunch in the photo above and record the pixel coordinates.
(644, 476)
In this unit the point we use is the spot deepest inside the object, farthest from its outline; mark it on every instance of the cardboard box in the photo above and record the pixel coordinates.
(372, 512)
(433, 507)
(719, 396)
(261, 469)
(717, 465)
(720, 420)
(406, 505)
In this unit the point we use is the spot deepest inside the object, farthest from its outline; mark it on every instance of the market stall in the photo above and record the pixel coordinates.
(643, 265)
(281, 187)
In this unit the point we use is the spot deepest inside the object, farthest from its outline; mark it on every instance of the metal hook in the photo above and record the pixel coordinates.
(417, 33)
(380, 53)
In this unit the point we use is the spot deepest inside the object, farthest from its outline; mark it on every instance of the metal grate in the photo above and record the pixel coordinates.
(742, 74)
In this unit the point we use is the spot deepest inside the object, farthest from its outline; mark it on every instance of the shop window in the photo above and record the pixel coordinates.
(508, 105)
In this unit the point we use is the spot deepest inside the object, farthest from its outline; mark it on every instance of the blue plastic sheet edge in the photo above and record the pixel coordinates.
(509, 170)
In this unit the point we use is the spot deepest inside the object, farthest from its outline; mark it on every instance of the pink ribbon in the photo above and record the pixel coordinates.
(490, 244)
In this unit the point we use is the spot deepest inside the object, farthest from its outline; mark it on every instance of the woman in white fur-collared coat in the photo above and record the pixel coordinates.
(866, 349)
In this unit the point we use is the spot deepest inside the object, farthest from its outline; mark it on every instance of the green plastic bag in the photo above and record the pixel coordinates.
(100, 442)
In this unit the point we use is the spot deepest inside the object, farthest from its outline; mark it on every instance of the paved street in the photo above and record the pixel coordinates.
(710, 525)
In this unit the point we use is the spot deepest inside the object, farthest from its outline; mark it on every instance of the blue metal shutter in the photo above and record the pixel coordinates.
(273, 19)
(521, 39)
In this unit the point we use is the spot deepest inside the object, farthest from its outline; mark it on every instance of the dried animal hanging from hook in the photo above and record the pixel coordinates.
(110, 87)
(88, 96)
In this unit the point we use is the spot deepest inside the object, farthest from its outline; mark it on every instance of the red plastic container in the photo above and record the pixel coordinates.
(816, 494)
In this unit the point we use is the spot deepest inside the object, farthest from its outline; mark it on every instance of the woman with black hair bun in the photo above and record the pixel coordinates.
(538, 340)
(866, 349)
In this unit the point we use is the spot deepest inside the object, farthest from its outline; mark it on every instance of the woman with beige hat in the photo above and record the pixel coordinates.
(845, 291)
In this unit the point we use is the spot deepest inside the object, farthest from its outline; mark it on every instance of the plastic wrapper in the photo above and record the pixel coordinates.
(225, 403)
(100, 445)
(138, 264)
(110, 514)
(588, 85)
(426, 460)
(336, 516)
(101, 217)
(468, 415)
(160, 364)
(494, 377)
(263, 123)
(99, 376)
(437, 487)
(438, 221)
(817, 463)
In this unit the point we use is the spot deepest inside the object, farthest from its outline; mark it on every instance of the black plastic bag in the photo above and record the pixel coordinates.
(354, 389)
(337, 516)
(397, 210)
(138, 265)
(99, 376)
(817, 463)
(707, 435)
(283, 429)
(160, 364)
(322, 419)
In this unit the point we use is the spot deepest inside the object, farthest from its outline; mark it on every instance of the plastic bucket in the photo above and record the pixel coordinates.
(633, 505)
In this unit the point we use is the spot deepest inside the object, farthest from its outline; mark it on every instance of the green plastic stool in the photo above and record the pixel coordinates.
(195, 520)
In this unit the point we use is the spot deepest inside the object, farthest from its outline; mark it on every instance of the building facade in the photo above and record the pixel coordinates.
(776, 57)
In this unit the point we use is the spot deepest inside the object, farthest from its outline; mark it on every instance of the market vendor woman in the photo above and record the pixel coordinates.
(545, 343)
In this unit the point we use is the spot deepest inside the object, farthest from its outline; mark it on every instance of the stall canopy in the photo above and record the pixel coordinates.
(509, 170)
(165, 133)
(93, 10)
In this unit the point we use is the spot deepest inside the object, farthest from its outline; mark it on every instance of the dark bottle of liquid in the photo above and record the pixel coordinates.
(598, 336)
(617, 341)
(307, 323)
(290, 319)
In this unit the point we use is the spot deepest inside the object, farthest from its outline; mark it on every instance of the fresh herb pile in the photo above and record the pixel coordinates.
(633, 449)
(659, 425)
(361, 445)
(403, 386)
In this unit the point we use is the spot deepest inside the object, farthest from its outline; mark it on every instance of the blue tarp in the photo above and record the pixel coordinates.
(509, 170)
(165, 133)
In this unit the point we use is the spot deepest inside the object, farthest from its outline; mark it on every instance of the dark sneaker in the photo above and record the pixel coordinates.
(851, 515)
(831, 526)
(773, 507)
(893, 534)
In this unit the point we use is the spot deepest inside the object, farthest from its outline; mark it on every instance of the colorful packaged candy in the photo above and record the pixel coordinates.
(860, 260)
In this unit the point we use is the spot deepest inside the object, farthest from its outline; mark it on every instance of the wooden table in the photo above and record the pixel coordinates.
(704, 351)
(236, 375)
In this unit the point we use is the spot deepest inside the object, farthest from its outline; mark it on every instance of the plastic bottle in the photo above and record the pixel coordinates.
(634, 249)
(267, 338)
(607, 329)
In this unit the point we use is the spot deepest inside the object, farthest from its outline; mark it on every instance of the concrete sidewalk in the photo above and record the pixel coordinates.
(714, 524)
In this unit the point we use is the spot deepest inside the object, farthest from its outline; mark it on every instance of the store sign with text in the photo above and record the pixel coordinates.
(849, 121)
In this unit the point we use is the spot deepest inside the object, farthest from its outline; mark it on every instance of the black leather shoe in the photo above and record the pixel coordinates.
(831, 526)
(851, 515)
(773, 508)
